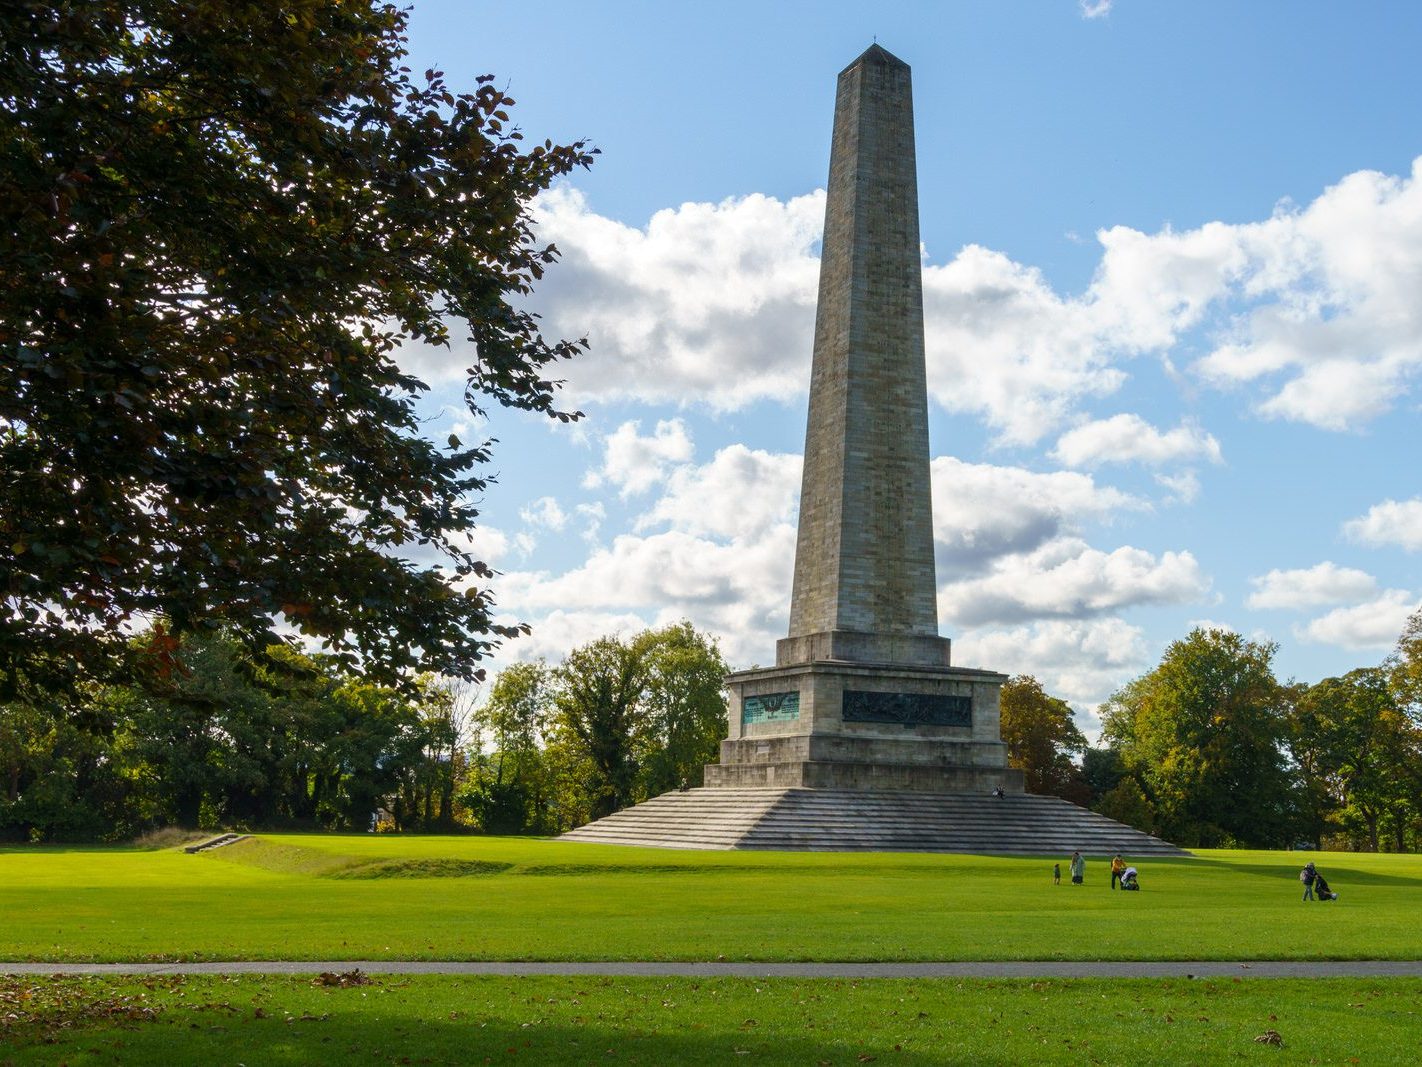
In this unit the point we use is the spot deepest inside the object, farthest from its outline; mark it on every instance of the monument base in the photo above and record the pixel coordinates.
(844, 725)
(878, 775)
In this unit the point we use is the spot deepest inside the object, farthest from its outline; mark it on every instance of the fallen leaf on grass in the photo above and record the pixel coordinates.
(342, 980)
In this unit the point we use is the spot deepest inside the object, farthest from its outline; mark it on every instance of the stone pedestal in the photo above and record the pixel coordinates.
(837, 724)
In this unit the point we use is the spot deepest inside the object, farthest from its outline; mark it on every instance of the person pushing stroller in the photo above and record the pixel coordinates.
(1315, 885)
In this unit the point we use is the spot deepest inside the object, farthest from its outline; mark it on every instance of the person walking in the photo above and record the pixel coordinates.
(1308, 876)
(1118, 868)
(1078, 868)
(1056, 874)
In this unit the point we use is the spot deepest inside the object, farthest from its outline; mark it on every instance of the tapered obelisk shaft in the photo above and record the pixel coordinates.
(864, 558)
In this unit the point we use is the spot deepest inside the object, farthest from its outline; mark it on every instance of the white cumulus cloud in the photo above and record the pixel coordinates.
(737, 590)
(1323, 583)
(1313, 310)
(742, 493)
(1393, 522)
(1129, 438)
(1066, 578)
(544, 512)
(633, 462)
(982, 511)
(1375, 624)
(1083, 661)
(1329, 326)
(711, 303)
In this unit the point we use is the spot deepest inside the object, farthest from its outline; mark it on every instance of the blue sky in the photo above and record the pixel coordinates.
(1173, 288)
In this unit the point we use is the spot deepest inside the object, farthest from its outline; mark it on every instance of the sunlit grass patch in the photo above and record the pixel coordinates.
(387, 897)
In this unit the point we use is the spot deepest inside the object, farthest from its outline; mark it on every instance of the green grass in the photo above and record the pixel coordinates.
(379, 897)
(461, 1020)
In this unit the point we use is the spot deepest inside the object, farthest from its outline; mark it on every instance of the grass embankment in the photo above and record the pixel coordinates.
(444, 1020)
(375, 897)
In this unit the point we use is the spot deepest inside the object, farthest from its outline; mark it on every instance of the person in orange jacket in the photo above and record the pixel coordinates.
(1118, 868)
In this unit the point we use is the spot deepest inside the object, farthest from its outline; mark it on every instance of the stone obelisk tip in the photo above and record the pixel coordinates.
(879, 56)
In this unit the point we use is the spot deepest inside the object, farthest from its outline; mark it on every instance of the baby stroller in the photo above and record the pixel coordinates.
(1321, 890)
(1129, 880)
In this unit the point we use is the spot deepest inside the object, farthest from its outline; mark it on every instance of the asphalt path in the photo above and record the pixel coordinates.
(726, 969)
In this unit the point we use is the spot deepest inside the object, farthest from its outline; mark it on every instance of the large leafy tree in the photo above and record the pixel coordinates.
(1351, 736)
(639, 716)
(219, 221)
(1041, 737)
(1204, 733)
(598, 696)
(508, 786)
(685, 702)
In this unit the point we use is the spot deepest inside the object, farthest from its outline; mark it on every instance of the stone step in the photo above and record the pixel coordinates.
(215, 842)
(850, 820)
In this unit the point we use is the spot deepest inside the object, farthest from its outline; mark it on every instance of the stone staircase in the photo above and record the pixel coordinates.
(829, 820)
(215, 842)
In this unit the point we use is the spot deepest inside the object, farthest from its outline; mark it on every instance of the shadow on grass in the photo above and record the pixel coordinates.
(361, 1038)
(1332, 871)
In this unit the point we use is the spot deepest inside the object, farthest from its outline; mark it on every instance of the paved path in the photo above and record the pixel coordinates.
(1023, 969)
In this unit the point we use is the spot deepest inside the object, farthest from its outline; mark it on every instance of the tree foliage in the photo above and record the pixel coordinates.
(1127, 803)
(1361, 751)
(219, 221)
(229, 739)
(1042, 738)
(617, 721)
(1204, 732)
(509, 789)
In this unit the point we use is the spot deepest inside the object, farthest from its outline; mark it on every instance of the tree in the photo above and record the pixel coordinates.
(1127, 803)
(219, 220)
(638, 717)
(1404, 667)
(1102, 769)
(598, 693)
(685, 702)
(1350, 735)
(508, 790)
(1041, 739)
(1204, 733)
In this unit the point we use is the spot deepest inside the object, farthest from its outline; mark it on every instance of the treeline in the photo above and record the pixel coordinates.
(1210, 749)
(211, 735)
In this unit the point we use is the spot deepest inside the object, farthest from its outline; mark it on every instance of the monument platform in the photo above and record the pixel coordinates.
(833, 820)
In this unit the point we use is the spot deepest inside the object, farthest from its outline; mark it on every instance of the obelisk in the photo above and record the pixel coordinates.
(862, 694)
(864, 557)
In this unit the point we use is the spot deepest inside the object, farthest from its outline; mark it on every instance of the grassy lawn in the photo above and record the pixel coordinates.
(459, 1020)
(379, 897)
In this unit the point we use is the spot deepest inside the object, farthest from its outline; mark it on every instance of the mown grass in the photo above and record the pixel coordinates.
(376, 897)
(461, 1020)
